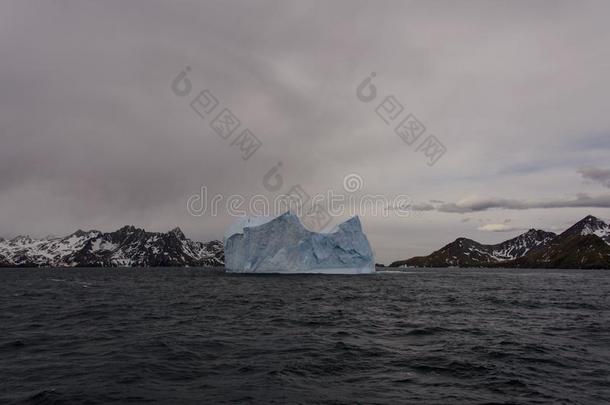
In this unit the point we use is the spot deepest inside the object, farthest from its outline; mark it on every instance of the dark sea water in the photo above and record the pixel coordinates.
(197, 336)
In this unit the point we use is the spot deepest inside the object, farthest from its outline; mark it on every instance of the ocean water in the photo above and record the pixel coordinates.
(89, 336)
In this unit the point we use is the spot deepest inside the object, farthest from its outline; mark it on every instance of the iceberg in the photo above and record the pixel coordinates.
(284, 245)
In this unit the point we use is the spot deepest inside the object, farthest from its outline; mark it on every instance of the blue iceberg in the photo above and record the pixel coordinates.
(284, 245)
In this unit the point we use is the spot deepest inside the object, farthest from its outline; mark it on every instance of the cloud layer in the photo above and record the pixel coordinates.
(499, 228)
(93, 136)
(477, 204)
(597, 175)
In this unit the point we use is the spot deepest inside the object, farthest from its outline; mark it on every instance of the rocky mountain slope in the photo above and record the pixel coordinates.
(465, 252)
(126, 247)
(586, 244)
(589, 225)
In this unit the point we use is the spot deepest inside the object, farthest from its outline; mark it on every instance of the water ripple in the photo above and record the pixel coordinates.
(193, 336)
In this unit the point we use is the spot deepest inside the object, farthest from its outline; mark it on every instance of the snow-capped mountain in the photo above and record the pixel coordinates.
(469, 253)
(522, 244)
(585, 244)
(568, 252)
(126, 247)
(589, 225)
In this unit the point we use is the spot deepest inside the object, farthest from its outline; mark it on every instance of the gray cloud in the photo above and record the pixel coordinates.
(499, 228)
(93, 137)
(475, 204)
(596, 174)
(422, 207)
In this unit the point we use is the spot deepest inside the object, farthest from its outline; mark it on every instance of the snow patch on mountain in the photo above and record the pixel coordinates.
(128, 246)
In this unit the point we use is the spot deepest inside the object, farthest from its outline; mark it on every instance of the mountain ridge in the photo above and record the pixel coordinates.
(586, 244)
(126, 247)
(464, 252)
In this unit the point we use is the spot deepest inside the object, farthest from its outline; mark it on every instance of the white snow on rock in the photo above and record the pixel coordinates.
(127, 246)
(598, 228)
(284, 245)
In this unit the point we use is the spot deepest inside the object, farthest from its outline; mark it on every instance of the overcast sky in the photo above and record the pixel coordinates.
(93, 137)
